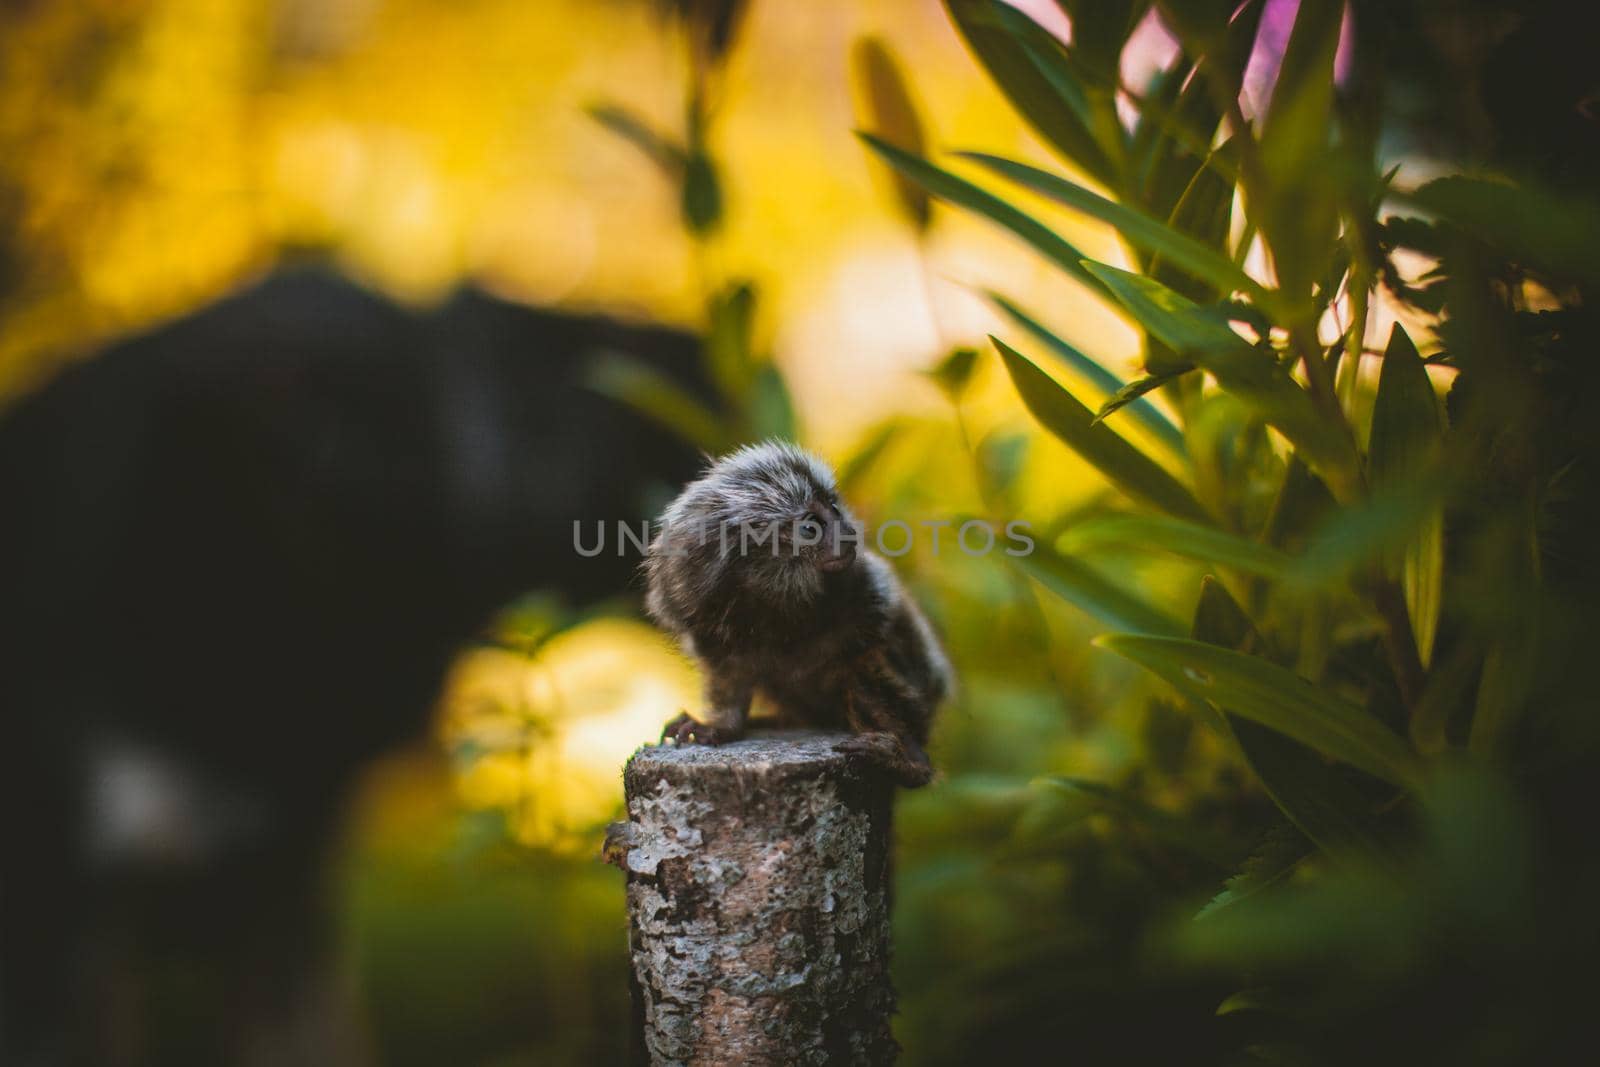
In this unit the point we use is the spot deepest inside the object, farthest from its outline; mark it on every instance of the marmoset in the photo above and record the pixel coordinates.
(757, 571)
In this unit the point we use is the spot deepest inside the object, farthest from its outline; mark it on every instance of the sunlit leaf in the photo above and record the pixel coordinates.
(1090, 86)
(1132, 392)
(983, 25)
(771, 409)
(1248, 373)
(1059, 412)
(1147, 413)
(1274, 697)
(651, 392)
(893, 117)
(1150, 234)
(1406, 431)
(1103, 600)
(729, 344)
(959, 191)
(1189, 539)
(662, 150)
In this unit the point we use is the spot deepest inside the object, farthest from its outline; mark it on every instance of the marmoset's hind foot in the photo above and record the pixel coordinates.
(902, 758)
(684, 729)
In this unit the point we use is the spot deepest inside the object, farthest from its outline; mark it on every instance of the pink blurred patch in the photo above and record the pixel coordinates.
(1151, 48)
(1047, 14)
(1272, 38)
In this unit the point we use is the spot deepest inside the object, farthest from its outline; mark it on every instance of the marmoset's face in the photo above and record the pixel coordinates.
(825, 536)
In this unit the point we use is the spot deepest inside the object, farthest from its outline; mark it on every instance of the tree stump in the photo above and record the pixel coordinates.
(758, 902)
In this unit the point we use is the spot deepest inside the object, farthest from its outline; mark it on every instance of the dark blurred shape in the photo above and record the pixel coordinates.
(238, 554)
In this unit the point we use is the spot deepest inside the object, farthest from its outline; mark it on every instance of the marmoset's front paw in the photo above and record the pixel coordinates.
(687, 730)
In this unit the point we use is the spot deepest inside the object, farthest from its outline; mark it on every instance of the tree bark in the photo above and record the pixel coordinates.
(758, 902)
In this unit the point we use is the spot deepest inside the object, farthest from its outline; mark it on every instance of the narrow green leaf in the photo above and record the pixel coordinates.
(1204, 211)
(663, 151)
(1188, 539)
(1274, 697)
(1133, 391)
(982, 24)
(953, 372)
(701, 202)
(1150, 234)
(1073, 424)
(1104, 601)
(1406, 434)
(771, 409)
(946, 186)
(650, 392)
(1088, 86)
(892, 116)
(729, 339)
(1311, 793)
(1149, 416)
(1249, 374)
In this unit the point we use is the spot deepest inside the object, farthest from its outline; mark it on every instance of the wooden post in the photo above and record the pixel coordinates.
(758, 902)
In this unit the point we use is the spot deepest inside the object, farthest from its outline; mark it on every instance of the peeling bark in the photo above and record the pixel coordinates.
(758, 902)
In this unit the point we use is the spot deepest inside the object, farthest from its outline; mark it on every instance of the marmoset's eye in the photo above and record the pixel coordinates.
(810, 526)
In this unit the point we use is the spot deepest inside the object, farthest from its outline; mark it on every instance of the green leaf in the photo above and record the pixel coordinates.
(1249, 374)
(1189, 539)
(1083, 587)
(1203, 211)
(1310, 792)
(1090, 87)
(1131, 394)
(1172, 830)
(702, 194)
(1274, 697)
(1297, 197)
(771, 410)
(1554, 233)
(1361, 534)
(1100, 31)
(983, 25)
(647, 390)
(1406, 435)
(953, 372)
(1129, 469)
(962, 193)
(1155, 237)
(729, 344)
(663, 151)
(893, 117)
(1272, 864)
(1149, 416)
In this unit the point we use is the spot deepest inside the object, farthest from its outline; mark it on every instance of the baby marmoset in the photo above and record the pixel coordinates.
(757, 571)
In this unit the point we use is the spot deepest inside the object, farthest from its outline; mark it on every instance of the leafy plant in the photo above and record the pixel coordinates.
(1393, 587)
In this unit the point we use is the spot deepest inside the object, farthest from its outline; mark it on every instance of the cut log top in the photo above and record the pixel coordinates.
(771, 757)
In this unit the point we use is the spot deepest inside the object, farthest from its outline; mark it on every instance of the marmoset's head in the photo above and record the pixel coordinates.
(770, 514)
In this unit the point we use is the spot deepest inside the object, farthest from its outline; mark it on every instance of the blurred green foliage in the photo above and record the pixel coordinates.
(1279, 746)
(1388, 593)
